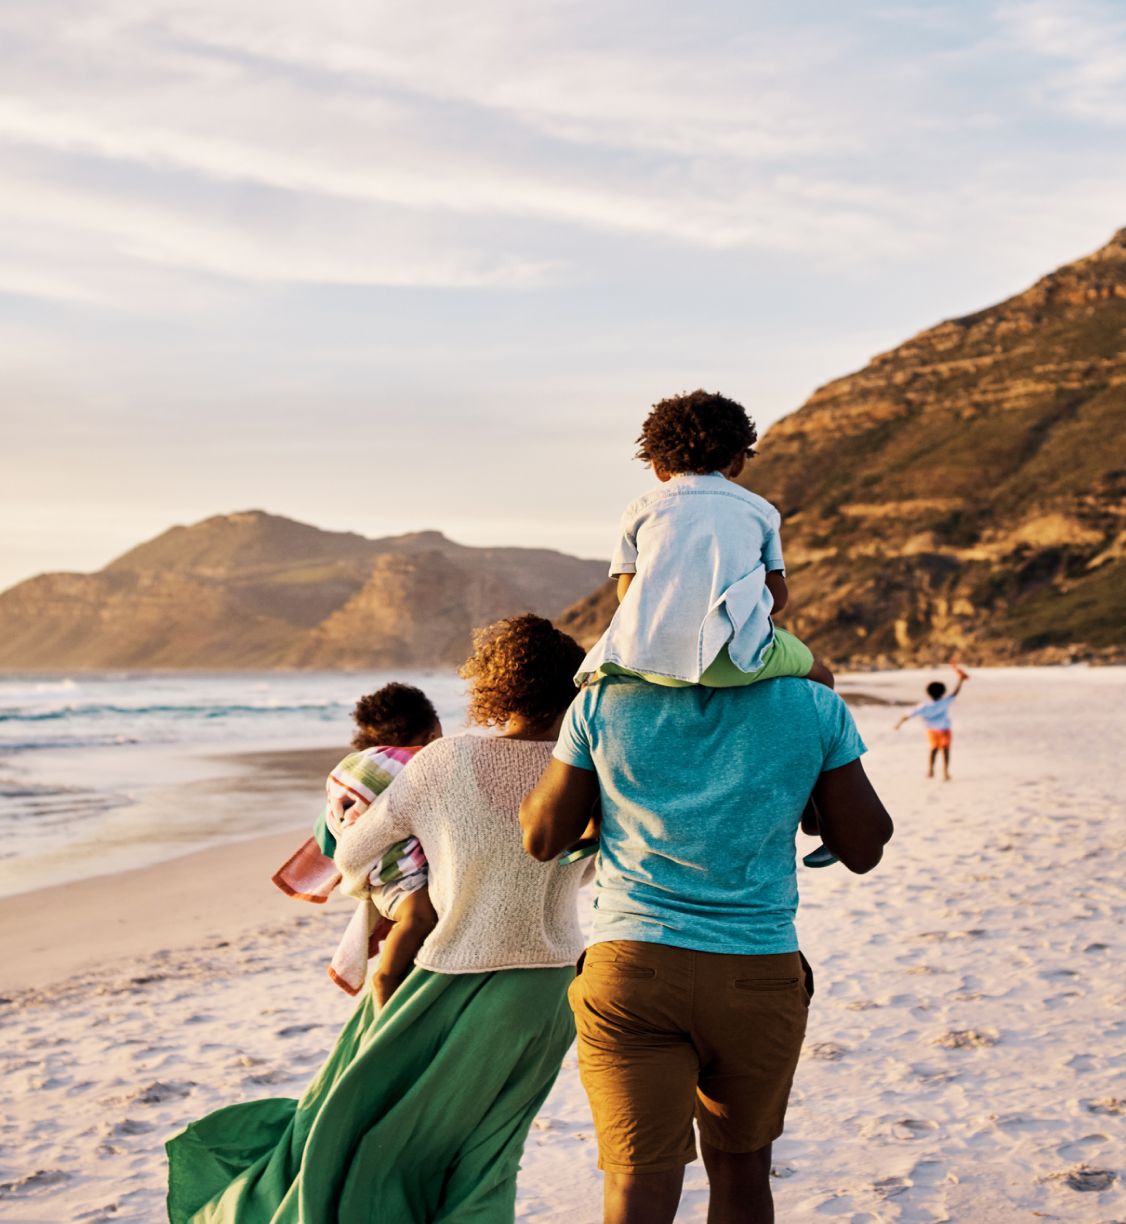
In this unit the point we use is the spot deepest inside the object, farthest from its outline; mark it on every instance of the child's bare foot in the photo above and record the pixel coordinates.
(821, 857)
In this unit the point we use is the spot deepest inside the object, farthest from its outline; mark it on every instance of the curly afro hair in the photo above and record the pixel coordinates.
(394, 716)
(699, 432)
(521, 666)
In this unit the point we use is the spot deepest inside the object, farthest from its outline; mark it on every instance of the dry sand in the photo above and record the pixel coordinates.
(965, 1059)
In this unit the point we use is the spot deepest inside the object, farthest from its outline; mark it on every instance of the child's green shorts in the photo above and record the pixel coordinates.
(785, 656)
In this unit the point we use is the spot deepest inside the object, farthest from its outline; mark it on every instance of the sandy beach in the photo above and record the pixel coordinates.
(966, 1055)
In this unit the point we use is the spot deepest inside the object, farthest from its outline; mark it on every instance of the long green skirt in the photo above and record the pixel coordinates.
(419, 1114)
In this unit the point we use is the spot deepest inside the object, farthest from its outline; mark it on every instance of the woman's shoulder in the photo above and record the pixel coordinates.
(496, 756)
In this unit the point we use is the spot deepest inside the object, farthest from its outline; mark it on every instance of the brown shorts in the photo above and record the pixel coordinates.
(666, 1034)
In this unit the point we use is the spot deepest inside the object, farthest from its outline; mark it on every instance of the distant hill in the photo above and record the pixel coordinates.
(964, 492)
(255, 590)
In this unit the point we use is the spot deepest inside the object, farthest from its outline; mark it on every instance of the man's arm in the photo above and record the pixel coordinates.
(557, 810)
(780, 592)
(623, 585)
(854, 823)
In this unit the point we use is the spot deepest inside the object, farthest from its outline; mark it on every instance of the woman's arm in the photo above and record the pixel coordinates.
(361, 845)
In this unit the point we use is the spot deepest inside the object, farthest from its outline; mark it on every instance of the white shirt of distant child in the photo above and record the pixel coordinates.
(936, 714)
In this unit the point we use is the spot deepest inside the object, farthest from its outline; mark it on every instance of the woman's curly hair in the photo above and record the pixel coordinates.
(700, 431)
(521, 665)
(394, 716)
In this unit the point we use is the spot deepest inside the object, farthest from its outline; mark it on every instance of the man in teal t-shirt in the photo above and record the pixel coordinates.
(692, 999)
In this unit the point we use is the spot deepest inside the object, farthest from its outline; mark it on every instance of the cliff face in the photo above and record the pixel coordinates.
(965, 492)
(254, 590)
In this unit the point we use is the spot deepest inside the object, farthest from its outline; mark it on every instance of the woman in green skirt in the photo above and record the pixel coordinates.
(420, 1113)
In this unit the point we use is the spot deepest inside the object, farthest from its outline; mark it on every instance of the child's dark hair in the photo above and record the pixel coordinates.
(699, 432)
(393, 716)
(935, 689)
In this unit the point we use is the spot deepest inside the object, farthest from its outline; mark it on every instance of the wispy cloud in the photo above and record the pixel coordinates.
(498, 229)
(1083, 46)
(408, 146)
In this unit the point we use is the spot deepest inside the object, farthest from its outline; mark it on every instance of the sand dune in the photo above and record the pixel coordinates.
(965, 1060)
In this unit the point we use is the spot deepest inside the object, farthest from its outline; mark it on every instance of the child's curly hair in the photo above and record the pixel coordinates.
(394, 716)
(521, 665)
(700, 431)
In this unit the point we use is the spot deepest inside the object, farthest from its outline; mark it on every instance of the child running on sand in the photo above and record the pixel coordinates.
(392, 724)
(699, 565)
(935, 713)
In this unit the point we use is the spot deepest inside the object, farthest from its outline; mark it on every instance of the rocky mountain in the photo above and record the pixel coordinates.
(254, 590)
(964, 493)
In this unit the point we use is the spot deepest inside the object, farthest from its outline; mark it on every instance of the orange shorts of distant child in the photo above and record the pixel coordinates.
(940, 739)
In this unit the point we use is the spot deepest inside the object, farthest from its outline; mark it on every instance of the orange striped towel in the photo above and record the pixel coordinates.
(309, 875)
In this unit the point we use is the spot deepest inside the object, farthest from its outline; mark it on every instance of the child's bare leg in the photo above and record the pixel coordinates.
(946, 764)
(415, 918)
(930, 767)
(821, 674)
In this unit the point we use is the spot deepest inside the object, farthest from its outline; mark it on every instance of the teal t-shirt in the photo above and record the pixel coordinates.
(702, 793)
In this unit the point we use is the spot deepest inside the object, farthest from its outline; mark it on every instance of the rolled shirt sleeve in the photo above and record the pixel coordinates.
(772, 547)
(573, 745)
(625, 553)
(840, 739)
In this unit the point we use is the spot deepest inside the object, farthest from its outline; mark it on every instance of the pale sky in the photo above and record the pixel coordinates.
(384, 266)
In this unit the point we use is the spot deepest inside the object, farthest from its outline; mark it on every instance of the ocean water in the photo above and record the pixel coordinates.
(98, 773)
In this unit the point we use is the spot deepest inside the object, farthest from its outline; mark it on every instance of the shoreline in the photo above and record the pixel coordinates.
(108, 921)
(163, 802)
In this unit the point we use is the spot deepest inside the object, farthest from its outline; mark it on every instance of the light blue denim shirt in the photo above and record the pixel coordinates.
(701, 547)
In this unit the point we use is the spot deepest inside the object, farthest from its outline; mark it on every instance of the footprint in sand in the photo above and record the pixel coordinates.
(890, 1187)
(128, 1126)
(910, 1129)
(34, 1183)
(1084, 1178)
(156, 1093)
(827, 1051)
(265, 1078)
(967, 1039)
(934, 1075)
(1078, 1148)
(1107, 1105)
(295, 1030)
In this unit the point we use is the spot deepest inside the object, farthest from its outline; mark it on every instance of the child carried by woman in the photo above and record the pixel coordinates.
(392, 724)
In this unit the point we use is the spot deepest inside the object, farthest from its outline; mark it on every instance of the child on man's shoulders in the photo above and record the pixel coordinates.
(699, 564)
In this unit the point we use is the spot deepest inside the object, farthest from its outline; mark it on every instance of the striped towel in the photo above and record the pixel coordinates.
(309, 874)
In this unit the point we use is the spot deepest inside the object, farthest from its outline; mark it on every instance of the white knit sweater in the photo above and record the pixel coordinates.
(498, 908)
